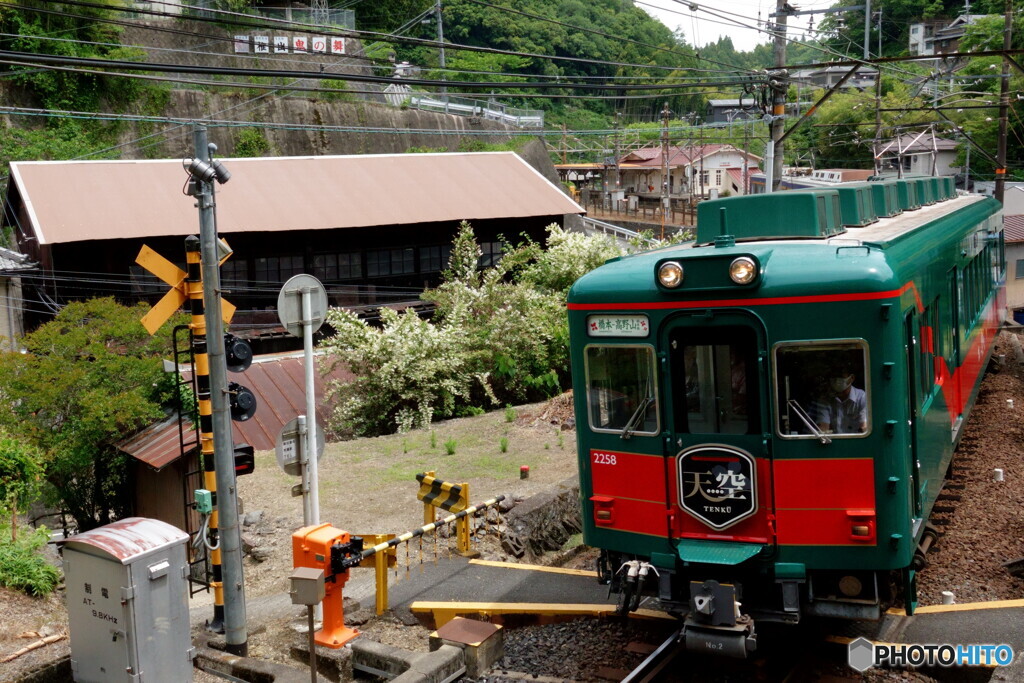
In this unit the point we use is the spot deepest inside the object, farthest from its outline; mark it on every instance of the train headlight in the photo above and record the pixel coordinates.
(743, 270)
(670, 274)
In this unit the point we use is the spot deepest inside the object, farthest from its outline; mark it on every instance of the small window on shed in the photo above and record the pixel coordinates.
(1020, 269)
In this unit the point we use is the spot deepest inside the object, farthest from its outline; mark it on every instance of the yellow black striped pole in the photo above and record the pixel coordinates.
(194, 292)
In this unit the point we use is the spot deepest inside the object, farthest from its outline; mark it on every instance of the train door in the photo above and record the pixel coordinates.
(910, 349)
(718, 455)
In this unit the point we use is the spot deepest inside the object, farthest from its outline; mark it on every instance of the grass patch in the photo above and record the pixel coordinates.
(22, 567)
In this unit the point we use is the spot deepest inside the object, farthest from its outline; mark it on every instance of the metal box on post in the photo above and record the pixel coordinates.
(127, 602)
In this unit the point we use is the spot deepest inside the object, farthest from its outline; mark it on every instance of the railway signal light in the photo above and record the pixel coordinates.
(243, 402)
(245, 459)
(237, 352)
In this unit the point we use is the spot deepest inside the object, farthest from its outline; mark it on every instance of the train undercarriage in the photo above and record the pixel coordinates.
(719, 606)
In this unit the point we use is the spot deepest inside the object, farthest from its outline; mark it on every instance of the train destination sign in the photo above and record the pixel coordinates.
(717, 485)
(618, 326)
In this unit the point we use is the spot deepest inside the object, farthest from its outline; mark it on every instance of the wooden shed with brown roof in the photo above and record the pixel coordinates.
(372, 228)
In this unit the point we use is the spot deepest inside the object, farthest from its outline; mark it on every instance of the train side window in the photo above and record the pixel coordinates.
(822, 387)
(622, 393)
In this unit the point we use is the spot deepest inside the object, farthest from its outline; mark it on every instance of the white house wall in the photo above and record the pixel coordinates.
(1014, 284)
(11, 326)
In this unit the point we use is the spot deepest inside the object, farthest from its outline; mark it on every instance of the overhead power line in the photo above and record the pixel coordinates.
(37, 59)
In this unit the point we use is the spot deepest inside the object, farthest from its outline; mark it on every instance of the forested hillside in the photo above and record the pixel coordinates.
(613, 46)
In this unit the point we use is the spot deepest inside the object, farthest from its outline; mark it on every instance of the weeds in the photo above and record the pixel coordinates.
(510, 414)
(561, 440)
(503, 444)
(449, 446)
(22, 568)
(433, 439)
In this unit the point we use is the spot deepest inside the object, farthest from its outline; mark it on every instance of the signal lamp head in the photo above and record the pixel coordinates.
(243, 402)
(743, 270)
(237, 353)
(670, 274)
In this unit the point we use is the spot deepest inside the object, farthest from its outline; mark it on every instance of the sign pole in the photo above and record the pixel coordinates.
(223, 447)
(304, 458)
(307, 350)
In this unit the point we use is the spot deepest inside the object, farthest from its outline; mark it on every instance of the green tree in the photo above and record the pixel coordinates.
(21, 471)
(90, 378)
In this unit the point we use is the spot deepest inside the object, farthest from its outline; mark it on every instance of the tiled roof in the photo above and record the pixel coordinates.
(1013, 228)
(12, 260)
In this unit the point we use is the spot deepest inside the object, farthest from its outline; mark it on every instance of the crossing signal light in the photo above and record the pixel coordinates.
(243, 402)
(238, 353)
(245, 459)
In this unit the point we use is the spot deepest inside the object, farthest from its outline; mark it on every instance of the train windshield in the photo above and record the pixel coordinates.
(621, 389)
(718, 369)
(821, 388)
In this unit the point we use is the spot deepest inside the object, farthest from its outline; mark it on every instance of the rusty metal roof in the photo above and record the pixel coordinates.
(279, 385)
(1013, 229)
(158, 445)
(129, 538)
(72, 201)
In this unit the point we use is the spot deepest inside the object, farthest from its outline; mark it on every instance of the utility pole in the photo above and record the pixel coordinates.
(746, 152)
(665, 199)
(440, 39)
(867, 29)
(702, 160)
(618, 171)
(565, 145)
(223, 447)
(1004, 106)
(878, 122)
(777, 84)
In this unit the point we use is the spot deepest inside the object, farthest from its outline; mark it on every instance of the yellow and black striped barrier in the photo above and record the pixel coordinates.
(447, 496)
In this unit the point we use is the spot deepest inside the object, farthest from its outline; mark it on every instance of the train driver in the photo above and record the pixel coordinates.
(845, 409)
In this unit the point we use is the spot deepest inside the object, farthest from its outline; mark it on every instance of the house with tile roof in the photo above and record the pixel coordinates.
(13, 266)
(693, 170)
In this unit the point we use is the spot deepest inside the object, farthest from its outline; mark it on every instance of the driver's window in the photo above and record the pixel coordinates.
(821, 388)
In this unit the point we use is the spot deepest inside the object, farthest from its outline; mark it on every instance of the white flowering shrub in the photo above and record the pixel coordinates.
(499, 336)
(405, 371)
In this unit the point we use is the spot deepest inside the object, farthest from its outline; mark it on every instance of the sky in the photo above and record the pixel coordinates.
(700, 27)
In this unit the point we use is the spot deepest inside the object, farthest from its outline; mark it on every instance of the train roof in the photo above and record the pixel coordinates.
(861, 258)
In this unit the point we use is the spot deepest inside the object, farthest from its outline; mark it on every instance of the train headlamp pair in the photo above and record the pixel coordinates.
(742, 271)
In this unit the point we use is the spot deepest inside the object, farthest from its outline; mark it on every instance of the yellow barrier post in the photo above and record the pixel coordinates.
(462, 526)
(428, 509)
(380, 562)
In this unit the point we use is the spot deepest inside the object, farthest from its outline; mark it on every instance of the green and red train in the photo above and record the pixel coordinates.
(766, 416)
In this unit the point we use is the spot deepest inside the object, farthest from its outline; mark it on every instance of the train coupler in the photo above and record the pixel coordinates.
(715, 624)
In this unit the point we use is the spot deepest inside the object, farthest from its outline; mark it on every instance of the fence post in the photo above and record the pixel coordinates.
(462, 525)
(428, 509)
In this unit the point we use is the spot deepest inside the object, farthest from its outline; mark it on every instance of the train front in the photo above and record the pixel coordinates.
(726, 425)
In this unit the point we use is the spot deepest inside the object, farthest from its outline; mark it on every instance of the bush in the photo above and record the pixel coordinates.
(23, 568)
(499, 336)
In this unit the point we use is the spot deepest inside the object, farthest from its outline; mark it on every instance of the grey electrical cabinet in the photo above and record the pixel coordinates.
(127, 596)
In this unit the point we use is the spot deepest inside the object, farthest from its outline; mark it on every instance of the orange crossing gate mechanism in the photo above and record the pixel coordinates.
(322, 546)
